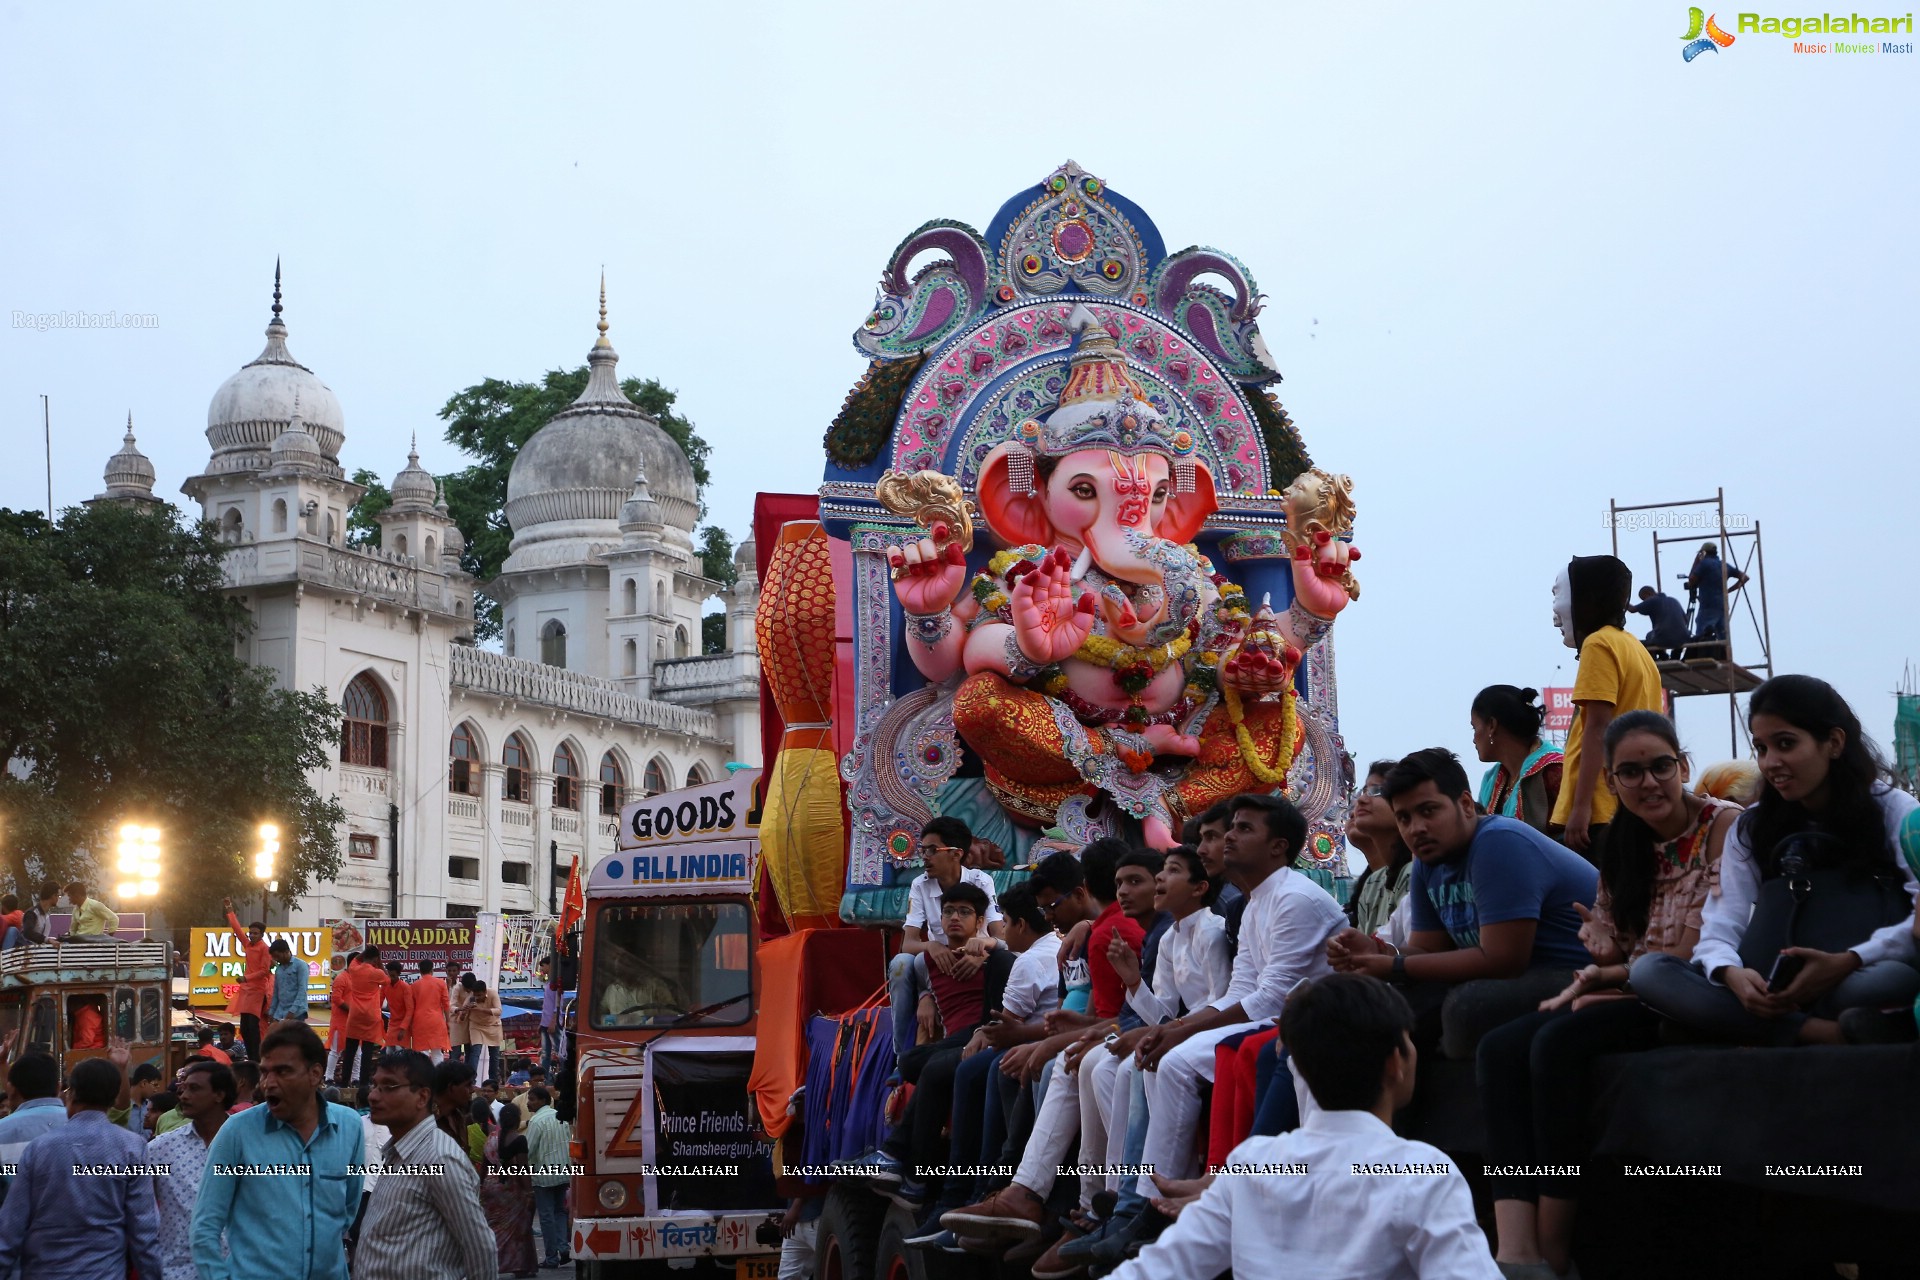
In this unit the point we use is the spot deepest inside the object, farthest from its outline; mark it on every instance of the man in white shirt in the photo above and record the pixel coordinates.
(205, 1090)
(1407, 1213)
(1283, 939)
(943, 843)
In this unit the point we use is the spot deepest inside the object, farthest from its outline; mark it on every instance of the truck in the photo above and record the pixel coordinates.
(669, 1165)
(69, 999)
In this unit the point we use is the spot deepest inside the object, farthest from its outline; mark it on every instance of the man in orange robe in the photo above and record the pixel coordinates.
(399, 1009)
(255, 993)
(365, 982)
(428, 1025)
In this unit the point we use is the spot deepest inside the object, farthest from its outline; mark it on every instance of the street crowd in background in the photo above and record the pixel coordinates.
(402, 1148)
(1603, 897)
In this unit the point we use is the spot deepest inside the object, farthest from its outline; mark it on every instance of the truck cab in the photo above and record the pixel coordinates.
(70, 999)
(670, 1164)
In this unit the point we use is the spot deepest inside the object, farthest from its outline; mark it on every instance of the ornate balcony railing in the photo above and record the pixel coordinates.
(483, 671)
(708, 678)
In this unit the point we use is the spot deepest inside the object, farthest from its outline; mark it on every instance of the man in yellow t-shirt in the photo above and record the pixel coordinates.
(1616, 675)
(92, 918)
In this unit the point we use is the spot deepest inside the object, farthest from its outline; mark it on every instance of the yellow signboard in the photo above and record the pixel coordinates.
(218, 960)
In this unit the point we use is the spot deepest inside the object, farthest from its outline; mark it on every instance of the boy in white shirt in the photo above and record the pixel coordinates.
(1351, 1040)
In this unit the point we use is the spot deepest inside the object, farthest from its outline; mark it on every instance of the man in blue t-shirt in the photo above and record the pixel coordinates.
(1492, 910)
(1668, 635)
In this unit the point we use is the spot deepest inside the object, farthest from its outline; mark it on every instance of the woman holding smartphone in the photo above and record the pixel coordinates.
(1659, 861)
(1826, 816)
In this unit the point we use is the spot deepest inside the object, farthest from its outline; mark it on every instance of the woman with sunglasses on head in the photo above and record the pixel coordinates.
(1372, 830)
(1830, 829)
(1524, 782)
(1659, 862)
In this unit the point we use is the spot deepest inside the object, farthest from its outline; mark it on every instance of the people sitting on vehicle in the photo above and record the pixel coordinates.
(35, 921)
(1616, 675)
(1208, 836)
(1657, 866)
(11, 917)
(1524, 781)
(954, 1007)
(92, 918)
(983, 1098)
(1283, 938)
(1495, 929)
(944, 842)
(1372, 830)
(87, 1022)
(1191, 969)
(1668, 634)
(1764, 972)
(1350, 1037)
(1069, 891)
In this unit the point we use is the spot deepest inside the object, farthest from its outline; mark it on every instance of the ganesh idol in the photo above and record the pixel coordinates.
(1100, 651)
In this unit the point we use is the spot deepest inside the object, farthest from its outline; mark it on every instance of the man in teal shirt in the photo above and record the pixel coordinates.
(289, 984)
(283, 1180)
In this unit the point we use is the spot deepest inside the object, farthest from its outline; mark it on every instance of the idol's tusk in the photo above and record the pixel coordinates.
(1081, 565)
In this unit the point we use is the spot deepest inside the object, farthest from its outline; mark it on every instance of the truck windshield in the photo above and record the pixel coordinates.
(656, 961)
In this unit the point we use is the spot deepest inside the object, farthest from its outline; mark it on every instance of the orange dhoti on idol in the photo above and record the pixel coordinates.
(1038, 755)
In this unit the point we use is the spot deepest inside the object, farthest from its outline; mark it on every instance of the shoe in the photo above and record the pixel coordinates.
(1873, 1026)
(1051, 1265)
(929, 1234)
(1008, 1213)
(879, 1170)
(911, 1194)
(1145, 1227)
(1027, 1252)
(1080, 1251)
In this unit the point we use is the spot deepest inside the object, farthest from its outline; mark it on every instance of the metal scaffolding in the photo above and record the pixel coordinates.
(1738, 661)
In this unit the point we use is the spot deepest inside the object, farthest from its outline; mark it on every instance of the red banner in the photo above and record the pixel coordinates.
(1559, 705)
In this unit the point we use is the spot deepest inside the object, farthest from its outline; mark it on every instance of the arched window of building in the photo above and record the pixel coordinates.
(660, 598)
(633, 657)
(507, 633)
(329, 526)
(230, 524)
(399, 544)
(553, 643)
(659, 648)
(631, 598)
(697, 776)
(279, 515)
(681, 647)
(363, 732)
(519, 762)
(431, 558)
(654, 781)
(613, 784)
(463, 753)
(566, 778)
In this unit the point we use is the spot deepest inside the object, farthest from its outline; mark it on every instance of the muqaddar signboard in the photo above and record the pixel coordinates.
(219, 960)
(411, 941)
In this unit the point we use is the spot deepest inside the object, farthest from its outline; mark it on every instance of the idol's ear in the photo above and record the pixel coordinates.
(1187, 512)
(1016, 518)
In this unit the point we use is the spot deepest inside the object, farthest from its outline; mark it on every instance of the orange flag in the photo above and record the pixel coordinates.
(573, 906)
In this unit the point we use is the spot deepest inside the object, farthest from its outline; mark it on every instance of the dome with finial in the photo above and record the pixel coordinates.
(255, 405)
(746, 557)
(129, 472)
(571, 479)
(296, 447)
(640, 511)
(414, 489)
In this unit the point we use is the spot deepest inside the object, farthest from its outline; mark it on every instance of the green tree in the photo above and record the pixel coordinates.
(363, 523)
(491, 420)
(122, 697)
(716, 563)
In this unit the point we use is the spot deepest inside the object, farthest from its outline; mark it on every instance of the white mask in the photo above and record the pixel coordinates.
(1563, 607)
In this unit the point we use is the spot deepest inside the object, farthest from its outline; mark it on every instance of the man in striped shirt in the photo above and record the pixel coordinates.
(423, 1219)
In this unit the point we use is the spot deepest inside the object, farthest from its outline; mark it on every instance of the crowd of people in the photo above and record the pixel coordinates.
(381, 1155)
(1213, 1044)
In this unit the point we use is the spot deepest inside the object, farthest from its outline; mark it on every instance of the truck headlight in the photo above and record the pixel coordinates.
(612, 1195)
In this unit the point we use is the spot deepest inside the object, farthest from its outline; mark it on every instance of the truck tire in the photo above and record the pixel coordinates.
(848, 1237)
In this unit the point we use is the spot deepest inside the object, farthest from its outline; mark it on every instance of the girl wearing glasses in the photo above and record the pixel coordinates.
(1828, 817)
(1658, 864)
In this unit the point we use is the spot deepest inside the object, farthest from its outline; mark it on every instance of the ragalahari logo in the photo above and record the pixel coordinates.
(1713, 41)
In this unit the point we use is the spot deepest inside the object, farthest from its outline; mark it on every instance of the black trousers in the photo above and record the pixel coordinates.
(366, 1051)
(1536, 1084)
(250, 1034)
(930, 1069)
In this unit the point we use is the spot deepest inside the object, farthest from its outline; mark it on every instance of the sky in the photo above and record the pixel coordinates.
(1516, 266)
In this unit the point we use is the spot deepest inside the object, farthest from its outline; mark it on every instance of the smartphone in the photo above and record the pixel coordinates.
(1785, 969)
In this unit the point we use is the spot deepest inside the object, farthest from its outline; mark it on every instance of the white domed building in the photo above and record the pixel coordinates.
(473, 778)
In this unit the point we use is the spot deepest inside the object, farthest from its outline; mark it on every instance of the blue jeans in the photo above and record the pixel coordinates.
(556, 1233)
(1678, 989)
(14, 938)
(1130, 1201)
(906, 979)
